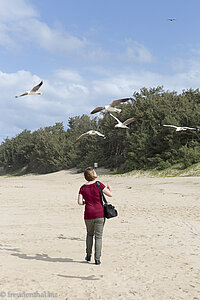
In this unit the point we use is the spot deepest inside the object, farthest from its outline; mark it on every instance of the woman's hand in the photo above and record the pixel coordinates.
(109, 188)
(81, 201)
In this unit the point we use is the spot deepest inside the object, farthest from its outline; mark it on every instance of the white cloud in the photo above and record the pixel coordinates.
(125, 84)
(98, 54)
(14, 10)
(5, 39)
(178, 65)
(63, 88)
(48, 38)
(137, 52)
(20, 23)
(68, 75)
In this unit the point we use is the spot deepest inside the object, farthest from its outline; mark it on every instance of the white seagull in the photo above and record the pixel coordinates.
(181, 128)
(111, 107)
(34, 91)
(90, 132)
(125, 123)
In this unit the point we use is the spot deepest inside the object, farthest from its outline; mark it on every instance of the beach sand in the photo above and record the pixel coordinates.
(150, 251)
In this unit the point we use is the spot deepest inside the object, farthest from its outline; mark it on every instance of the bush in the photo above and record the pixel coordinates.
(189, 156)
(163, 165)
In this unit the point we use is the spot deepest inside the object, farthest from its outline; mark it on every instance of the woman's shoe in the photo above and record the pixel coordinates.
(97, 262)
(88, 257)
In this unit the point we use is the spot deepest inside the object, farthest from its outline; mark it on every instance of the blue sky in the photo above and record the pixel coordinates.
(90, 52)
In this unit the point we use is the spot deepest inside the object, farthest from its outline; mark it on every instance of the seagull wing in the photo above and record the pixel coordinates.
(99, 133)
(24, 94)
(35, 88)
(97, 109)
(128, 121)
(115, 118)
(81, 137)
(191, 128)
(118, 101)
(170, 126)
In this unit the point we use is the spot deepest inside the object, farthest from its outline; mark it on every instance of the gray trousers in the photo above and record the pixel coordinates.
(94, 228)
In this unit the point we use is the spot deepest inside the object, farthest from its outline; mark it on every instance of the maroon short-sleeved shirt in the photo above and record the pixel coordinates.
(93, 204)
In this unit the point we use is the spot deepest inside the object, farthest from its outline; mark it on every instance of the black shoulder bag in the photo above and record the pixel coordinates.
(109, 209)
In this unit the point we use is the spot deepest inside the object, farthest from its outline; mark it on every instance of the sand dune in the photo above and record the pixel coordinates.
(151, 251)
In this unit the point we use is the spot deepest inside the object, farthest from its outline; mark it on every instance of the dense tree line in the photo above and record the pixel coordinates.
(145, 145)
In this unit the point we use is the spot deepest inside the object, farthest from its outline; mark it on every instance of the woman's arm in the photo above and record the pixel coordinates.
(80, 200)
(107, 191)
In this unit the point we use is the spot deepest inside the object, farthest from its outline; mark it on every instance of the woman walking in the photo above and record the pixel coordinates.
(94, 212)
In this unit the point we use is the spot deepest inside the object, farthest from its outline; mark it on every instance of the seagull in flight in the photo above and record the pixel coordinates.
(111, 107)
(34, 91)
(125, 123)
(181, 128)
(171, 19)
(90, 132)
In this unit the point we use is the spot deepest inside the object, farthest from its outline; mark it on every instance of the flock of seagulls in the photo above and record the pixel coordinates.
(110, 108)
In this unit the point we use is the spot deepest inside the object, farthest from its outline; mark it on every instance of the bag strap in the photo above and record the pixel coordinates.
(101, 192)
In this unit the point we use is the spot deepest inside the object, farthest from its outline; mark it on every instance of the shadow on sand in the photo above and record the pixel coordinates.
(45, 257)
(42, 257)
(62, 237)
(11, 249)
(91, 277)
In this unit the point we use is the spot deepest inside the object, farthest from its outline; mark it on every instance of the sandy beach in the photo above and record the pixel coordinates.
(150, 251)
